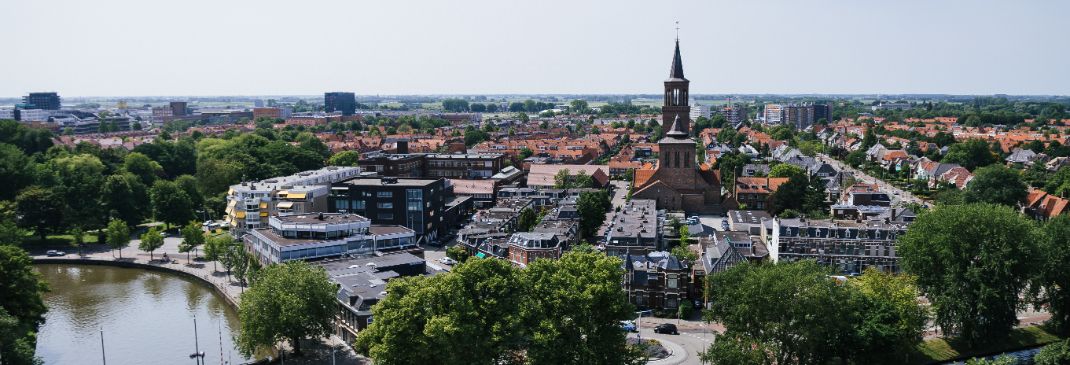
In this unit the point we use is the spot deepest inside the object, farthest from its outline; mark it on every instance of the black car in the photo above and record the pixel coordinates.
(666, 328)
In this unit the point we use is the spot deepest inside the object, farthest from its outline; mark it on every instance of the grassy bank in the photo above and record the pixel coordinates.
(940, 350)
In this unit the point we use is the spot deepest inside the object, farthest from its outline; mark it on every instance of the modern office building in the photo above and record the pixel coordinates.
(773, 114)
(250, 204)
(340, 102)
(318, 235)
(44, 100)
(420, 204)
(434, 165)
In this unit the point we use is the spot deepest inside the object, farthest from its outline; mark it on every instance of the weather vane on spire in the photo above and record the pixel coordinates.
(677, 30)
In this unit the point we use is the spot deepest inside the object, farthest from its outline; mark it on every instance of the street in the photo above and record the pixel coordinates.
(694, 337)
(898, 196)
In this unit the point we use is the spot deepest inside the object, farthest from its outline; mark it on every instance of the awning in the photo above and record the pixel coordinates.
(285, 205)
(481, 255)
(296, 195)
(263, 214)
(263, 205)
(282, 193)
(239, 214)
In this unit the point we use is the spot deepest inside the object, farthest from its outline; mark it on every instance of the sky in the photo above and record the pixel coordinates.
(269, 47)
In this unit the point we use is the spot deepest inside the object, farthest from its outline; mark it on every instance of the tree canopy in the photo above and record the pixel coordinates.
(971, 154)
(972, 261)
(290, 301)
(995, 184)
(21, 309)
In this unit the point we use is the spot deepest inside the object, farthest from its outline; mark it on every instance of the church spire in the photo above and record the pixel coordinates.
(677, 70)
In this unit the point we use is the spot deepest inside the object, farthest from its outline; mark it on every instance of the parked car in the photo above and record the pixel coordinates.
(666, 328)
(628, 326)
(447, 261)
(54, 253)
(724, 224)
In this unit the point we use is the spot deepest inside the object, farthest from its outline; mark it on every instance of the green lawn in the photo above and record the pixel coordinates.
(58, 240)
(940, 350)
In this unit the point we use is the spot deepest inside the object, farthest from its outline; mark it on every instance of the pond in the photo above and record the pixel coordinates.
(146, 316)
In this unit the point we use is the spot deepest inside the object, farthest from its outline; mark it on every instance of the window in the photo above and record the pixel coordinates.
(414, 194)
(357, 204)
(670, 303)
(386, 216)
(414, 206)
(385, 205)
(384, 194)
(671, 283)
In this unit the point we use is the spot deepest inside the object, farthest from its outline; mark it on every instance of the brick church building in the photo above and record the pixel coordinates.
(678, 182)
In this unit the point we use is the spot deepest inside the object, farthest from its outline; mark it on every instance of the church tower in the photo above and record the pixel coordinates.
(675, 107)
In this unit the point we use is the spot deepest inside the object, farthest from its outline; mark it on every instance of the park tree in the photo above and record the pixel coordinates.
(40, 209)
(15, 170)
(971, 154)
(21, 309)
(80, 179)
(214, 248)
(1059, 183)
(289, 302)
(468, 316)
(240, 259)
(591, 207)
(995, 184)
(151, 241)
(118, 235)
(561, 179)
(578, 106)
(573, 308)
(344, 158)
(1054, 273)
(972, 261)
(811, 328)
(192, 237)
(125, 197)
(170, 203)
(140, 165)
(188, 184)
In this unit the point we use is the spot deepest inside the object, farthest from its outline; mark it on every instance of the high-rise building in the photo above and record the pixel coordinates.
(179, 108)
(773, 113)
(700, 111)
(340, 102)
(47, 101)
(735, 114)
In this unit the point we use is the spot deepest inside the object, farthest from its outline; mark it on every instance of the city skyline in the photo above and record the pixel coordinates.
(476, 47)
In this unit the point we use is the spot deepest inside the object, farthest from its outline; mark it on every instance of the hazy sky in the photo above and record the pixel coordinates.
(259, 47)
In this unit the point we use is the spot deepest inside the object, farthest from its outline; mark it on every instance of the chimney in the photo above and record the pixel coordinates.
(320, 216)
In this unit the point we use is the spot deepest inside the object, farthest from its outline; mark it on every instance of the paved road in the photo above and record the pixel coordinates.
(899, 196)
(694, 337)
(620, 193)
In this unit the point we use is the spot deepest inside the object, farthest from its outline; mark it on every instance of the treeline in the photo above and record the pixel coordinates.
(59, 189)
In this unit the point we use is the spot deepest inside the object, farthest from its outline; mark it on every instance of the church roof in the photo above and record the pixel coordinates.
(676, 73)
(676, 133)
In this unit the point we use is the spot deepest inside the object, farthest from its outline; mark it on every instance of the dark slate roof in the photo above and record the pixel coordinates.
(677, 70)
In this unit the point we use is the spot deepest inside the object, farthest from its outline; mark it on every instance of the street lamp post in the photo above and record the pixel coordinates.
(103, 357)
(197, 355)
(638, 325)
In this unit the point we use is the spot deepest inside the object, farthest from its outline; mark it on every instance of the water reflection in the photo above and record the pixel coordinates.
(147, 317)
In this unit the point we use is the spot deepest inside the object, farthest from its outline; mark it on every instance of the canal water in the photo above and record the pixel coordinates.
(147, 318)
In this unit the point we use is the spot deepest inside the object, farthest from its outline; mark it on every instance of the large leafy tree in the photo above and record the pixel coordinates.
(170, 203)
(972, 261)
(21, 308)
(143, 167)
(527, 220)
(40, 209)
(888, 318)
(125, 197)
(573, 308)
(995, 184)
(1055, 354)
(291, 301)
(1054, 275)
(468, 316)
(344, 158)
(81, 177)
(591, 207)
(15, 171)
(786, 170)
(971, 154)
(811, 328)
